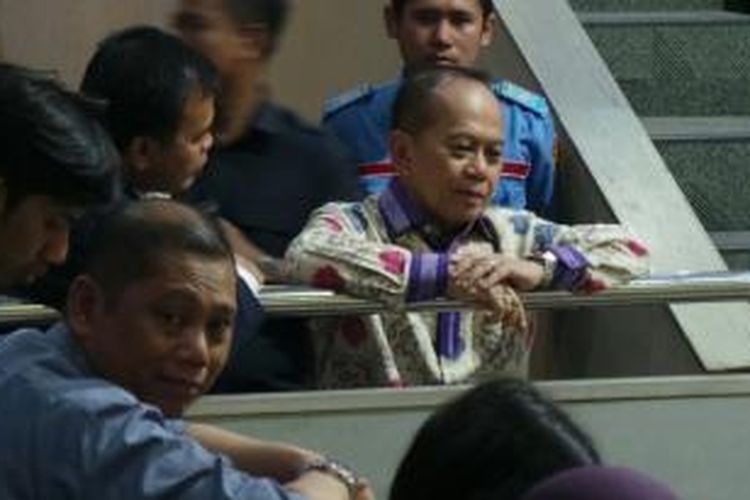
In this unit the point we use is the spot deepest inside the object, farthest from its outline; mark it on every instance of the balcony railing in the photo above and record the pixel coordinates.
(304, 301)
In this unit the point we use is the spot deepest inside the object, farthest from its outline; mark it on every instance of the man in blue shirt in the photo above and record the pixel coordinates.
(449, 32)
(92, 407)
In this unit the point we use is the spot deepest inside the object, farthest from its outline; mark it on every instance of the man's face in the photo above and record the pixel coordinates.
(176, 165)
(452, 166)
(33, 235)
(440, 32)
(164, 338)
(206, 26)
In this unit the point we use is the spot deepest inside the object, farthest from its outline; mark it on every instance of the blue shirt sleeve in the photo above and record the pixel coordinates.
(129, 451)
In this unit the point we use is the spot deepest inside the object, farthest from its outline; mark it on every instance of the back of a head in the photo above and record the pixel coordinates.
(494, 442)
(50, 144)
(146, 76)
(601, 483)
(272, 14)
(413, 106)
(131, 240)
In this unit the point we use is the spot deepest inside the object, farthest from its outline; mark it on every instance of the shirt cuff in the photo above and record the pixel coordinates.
(572, 267)
(428, 276)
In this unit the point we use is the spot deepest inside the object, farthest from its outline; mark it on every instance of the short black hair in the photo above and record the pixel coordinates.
(414, 98)
(494, 442)
(131, 240)
(271, 13)
(146, 76)
(51, 144)
(398, 6)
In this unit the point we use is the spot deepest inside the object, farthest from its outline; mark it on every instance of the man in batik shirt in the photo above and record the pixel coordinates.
(432, 234)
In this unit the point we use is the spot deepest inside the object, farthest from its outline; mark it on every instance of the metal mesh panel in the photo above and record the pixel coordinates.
(680, 70)
(643, 5)
(715, 177)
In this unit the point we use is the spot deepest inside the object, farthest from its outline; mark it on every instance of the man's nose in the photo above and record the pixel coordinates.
(195, 350)
(442, 33)
(56, 249)
(479, 166)
(208, 142)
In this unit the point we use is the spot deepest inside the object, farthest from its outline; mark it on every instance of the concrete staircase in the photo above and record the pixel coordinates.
(685, 67)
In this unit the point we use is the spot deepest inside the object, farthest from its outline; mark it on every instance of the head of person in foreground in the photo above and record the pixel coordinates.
(495, 441)
(153, 309)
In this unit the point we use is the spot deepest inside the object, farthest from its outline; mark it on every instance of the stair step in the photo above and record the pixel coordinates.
(662, 17)
(697, 128)
(709, 158)
(734, 247)
(731, 241)
(630, 5)
(677, 63)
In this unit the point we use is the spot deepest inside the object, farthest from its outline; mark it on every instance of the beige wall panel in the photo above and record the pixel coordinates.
(61, 34)
(330, 46)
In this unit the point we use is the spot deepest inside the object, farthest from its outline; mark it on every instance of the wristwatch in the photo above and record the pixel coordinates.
(337, 470)
(548, 261)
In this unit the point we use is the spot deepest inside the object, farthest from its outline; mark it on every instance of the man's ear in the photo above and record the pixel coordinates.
(401, 144)
(86, 299)
(391, 21)
(139, 155)
(488, 30)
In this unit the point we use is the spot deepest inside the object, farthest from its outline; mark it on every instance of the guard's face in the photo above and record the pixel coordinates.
(440, 32)
(174, 166)
(452, 166)
(165, 338)
(33, 235)
(206, 26)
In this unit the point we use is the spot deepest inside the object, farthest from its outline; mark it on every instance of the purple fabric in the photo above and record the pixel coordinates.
(428, 276)
(571, 267)
(449, 342)
(399, 211)
(601, 483)
(428, 272)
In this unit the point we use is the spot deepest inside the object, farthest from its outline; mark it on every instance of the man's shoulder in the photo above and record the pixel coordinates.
(362, 95)
(40, 373)
(516, 95)
(288, 123)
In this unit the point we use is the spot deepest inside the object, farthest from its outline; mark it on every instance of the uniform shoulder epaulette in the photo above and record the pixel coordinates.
(348, 98)
(520, 95)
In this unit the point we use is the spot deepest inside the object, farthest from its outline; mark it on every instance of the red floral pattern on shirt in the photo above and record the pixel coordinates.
(329, 278)
(393, 262)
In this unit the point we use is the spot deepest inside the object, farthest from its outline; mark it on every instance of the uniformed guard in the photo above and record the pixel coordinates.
(449, 32)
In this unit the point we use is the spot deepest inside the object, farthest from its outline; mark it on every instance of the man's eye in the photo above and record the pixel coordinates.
(494, 155)
(217, 329)
(461, 20)
(462, 150)
(170, 319)
(426, 18)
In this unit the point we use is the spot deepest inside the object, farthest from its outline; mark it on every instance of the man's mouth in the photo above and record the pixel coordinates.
(183, 385)
(443, 61)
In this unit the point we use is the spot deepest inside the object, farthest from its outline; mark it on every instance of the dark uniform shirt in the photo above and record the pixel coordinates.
(266, 184)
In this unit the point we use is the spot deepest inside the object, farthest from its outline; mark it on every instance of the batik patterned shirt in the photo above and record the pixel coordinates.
(385, 248)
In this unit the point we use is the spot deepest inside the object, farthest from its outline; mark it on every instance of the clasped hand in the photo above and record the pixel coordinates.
(478, 275)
